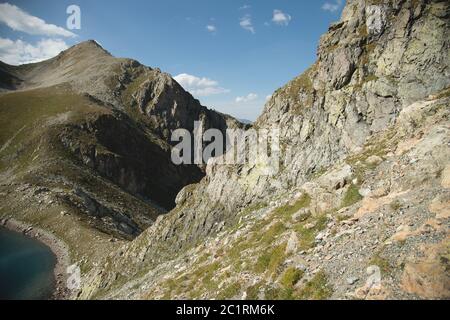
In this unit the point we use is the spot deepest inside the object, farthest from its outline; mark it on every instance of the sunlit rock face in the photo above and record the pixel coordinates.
(372, 66)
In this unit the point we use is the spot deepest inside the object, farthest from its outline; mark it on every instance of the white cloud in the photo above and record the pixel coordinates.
(20, 52)
(281, 18)
(19, 20)
(201, 87)
(211, 28)
(245, 7)
(247, 98)
(332, 6)
(246, 23)
(268, 97)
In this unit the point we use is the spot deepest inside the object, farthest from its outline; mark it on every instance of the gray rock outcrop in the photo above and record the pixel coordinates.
(377, 60)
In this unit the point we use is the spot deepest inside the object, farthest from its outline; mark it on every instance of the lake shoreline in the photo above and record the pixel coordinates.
(57, 246)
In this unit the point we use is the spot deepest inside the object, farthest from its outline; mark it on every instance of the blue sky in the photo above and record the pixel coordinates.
(229, 54)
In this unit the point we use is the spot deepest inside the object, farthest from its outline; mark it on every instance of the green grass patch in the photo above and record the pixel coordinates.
(253, 208)
(28, 120)
(288, 210)
(290, 277)
(230, 291)
(270, 260)
(369, 78)
(207, 273)
(316, 289)
(301, 83)
(272, 293)
(270, 235)
(245, 212)
(253, 291)
(381, 262)
(395, 205)
(362, 31)
(238, 249)
(351, 196)
(307, 235)
(318, 173)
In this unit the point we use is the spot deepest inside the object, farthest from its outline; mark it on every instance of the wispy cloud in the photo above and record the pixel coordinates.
(246, 23)
(247, 98)
(200, 87)
(245, 7)
(20, 52)
(268, 97)
(332, 6)
(211, 28)
(19, 20)
(280, 18)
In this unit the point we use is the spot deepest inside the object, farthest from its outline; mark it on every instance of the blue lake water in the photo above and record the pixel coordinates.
(26, 268)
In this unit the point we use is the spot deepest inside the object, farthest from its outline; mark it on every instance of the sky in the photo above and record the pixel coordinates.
(231, 55)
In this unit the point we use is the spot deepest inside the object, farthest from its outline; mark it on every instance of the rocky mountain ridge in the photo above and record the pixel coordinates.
(121, 83)
(365, 123)
(85, 146)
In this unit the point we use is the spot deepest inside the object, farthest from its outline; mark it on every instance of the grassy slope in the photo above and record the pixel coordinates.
(27, 117)
(31, 153)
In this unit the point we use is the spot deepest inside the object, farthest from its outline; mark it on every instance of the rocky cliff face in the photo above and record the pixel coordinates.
(363, 78)
(85, 146)
(363, 181)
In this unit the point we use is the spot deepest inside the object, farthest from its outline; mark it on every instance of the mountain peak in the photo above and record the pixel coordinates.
(90, 46)
(90, 43)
